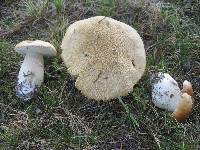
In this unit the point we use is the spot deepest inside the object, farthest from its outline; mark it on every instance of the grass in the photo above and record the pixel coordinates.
(36, 8)
(60, 117)
(59, 4)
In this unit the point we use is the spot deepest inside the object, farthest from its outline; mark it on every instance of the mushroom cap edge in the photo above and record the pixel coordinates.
(37, 46)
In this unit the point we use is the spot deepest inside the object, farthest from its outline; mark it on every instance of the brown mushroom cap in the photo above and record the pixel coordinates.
(107, 56)
(187, 88)
(184, 108)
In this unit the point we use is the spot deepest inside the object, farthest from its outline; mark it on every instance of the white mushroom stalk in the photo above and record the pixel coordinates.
(31, 74)
(167, 95)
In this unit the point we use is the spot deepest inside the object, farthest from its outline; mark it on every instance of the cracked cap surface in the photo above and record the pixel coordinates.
(107, 56)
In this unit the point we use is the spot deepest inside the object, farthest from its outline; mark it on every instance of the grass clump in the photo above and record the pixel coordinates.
(107, 8)
(57, 30)
(88, 2)
(9, 138)
(59, 5)
(36, 9)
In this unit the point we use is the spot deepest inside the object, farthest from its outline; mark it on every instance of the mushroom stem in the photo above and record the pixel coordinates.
(128, 112)
(30, 76)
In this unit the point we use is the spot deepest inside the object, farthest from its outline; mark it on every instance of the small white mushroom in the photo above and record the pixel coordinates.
(166, 94)
(31, 73)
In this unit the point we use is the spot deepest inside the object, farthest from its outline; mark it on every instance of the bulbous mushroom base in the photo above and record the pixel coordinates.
(26, 90)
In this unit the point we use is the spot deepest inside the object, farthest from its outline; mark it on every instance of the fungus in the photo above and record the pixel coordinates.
(184, 108)
(107, 57)
(31, 73)
(167, 95)
(187, 88)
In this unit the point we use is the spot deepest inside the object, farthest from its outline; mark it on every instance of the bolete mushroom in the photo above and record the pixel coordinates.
(107, 57)
(166, 94)
(187, 88)
(31, 73)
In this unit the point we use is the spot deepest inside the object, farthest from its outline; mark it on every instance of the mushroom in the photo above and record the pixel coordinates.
(184, 108)
(166, 94)
(187, 88)
(107, 57)
(31, 73)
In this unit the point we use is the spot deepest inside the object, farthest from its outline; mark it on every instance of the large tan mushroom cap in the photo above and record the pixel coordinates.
(107, 56)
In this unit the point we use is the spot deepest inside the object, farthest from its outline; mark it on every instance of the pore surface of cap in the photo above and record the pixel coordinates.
(106, 55)
(37, 46)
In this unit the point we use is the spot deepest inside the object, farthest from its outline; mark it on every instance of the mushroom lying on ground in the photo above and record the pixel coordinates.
(31, 73)
(167, 95)
(107, 57)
